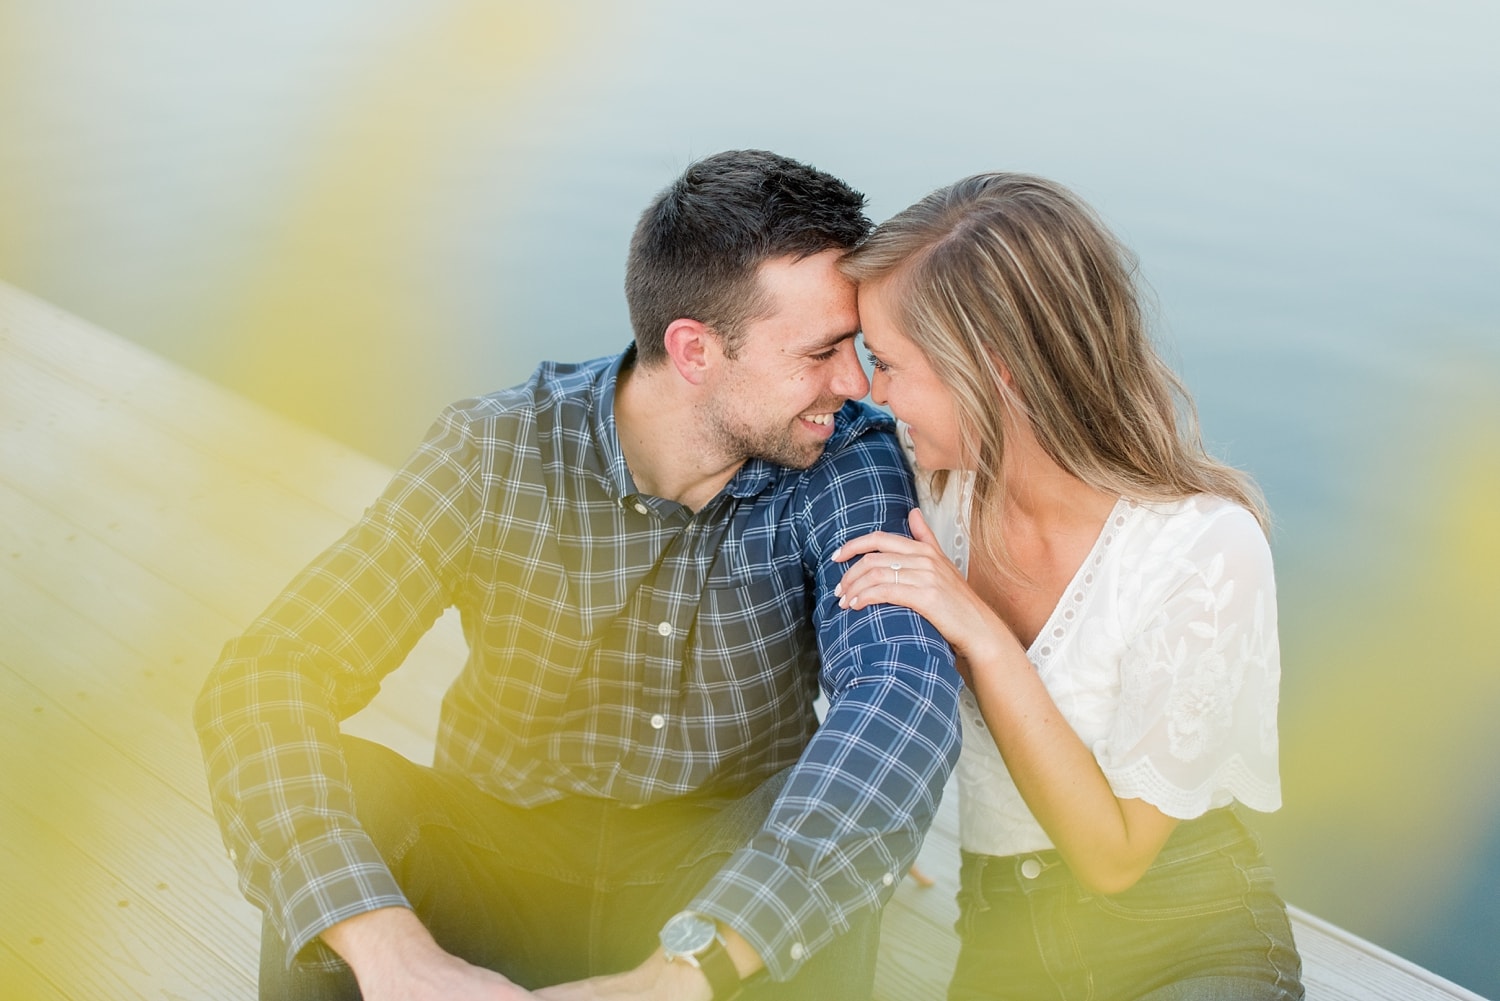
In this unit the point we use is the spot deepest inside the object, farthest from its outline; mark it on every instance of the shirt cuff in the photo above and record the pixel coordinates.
(775, 908)
(323, 884)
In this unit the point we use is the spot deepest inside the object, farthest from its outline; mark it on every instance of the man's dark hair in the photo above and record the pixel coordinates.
(698, 245)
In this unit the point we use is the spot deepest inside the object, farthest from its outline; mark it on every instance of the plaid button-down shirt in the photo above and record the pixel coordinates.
(621, 646)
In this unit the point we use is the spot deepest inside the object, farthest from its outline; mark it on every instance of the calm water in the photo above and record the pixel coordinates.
(358, 211)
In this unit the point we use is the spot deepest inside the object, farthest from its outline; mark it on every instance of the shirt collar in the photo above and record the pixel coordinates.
(615, 473)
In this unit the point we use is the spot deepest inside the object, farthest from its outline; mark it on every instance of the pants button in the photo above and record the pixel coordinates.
(1031, 868)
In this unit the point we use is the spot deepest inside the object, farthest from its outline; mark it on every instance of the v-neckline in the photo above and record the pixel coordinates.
(1060, 620)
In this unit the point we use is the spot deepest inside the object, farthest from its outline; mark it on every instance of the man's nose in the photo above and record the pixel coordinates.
(850, 379)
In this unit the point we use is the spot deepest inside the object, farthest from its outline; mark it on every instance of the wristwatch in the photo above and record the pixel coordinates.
(694, 939)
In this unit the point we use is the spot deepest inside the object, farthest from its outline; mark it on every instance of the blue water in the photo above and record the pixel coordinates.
(358, 211)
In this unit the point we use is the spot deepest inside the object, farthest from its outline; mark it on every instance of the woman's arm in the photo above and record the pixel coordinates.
(1108, 842)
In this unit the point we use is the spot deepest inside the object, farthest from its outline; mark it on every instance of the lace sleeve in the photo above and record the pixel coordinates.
(1196, 726)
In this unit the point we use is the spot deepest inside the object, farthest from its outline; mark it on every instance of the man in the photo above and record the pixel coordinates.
(631, 795)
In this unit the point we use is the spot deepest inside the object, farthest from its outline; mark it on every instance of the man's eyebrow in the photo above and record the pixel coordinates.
(833, 341)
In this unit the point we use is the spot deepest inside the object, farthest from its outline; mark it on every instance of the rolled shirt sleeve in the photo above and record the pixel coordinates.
(851, 818)
(268, 715)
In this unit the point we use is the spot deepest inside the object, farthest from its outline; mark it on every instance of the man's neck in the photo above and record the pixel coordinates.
(663, 443)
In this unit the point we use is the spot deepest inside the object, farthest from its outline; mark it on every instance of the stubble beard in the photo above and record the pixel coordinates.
(779, 446)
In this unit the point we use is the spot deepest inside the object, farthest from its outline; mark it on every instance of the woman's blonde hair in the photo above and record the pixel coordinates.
(1015, 270)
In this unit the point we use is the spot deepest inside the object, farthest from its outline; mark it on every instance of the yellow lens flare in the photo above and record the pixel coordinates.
(1394, 691)
(334, 306)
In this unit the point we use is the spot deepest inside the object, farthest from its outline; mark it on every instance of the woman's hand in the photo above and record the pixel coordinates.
(915, 573)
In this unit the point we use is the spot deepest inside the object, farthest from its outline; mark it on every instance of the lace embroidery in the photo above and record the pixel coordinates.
(1070, 607)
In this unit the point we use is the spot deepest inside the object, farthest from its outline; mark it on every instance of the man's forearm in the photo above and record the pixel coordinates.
(367, 940)
(746, 960)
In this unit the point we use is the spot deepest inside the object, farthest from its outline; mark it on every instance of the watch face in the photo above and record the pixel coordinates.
(687, 934)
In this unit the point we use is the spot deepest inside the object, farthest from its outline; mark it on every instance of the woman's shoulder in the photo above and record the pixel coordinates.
(1200, 515)
(1202, 529)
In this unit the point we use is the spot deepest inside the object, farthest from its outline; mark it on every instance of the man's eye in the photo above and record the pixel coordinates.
(825, 355)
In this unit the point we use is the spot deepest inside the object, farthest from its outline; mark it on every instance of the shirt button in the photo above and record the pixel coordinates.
(1031, 868)
(664, 628)
(234, 856)
(640, 508)
(887, 879)
(797, 950)
(658, 721)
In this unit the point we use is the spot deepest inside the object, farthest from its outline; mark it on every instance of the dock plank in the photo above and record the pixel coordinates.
(94, 935)
(20, 979)
(145, 516)
(77, 785)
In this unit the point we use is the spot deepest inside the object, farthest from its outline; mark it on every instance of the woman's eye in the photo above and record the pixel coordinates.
(875, 362)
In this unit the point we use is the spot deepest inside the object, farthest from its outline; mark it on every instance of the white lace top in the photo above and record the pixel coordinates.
(1162, 654)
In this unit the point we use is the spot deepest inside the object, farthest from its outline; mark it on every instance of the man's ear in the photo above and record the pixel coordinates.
(693, 348)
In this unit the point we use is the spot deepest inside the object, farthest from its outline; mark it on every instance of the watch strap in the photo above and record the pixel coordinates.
(718, 967)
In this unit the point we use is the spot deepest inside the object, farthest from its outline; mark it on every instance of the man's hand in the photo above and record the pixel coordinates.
(654, 980)
(395, 958)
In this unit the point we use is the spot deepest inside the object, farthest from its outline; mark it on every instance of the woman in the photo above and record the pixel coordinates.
(1108, 589)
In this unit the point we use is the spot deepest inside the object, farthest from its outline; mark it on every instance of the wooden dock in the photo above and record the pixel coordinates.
(146, 515)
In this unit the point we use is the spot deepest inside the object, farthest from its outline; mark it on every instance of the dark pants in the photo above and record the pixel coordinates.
(1203, 923)
(558, 892)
